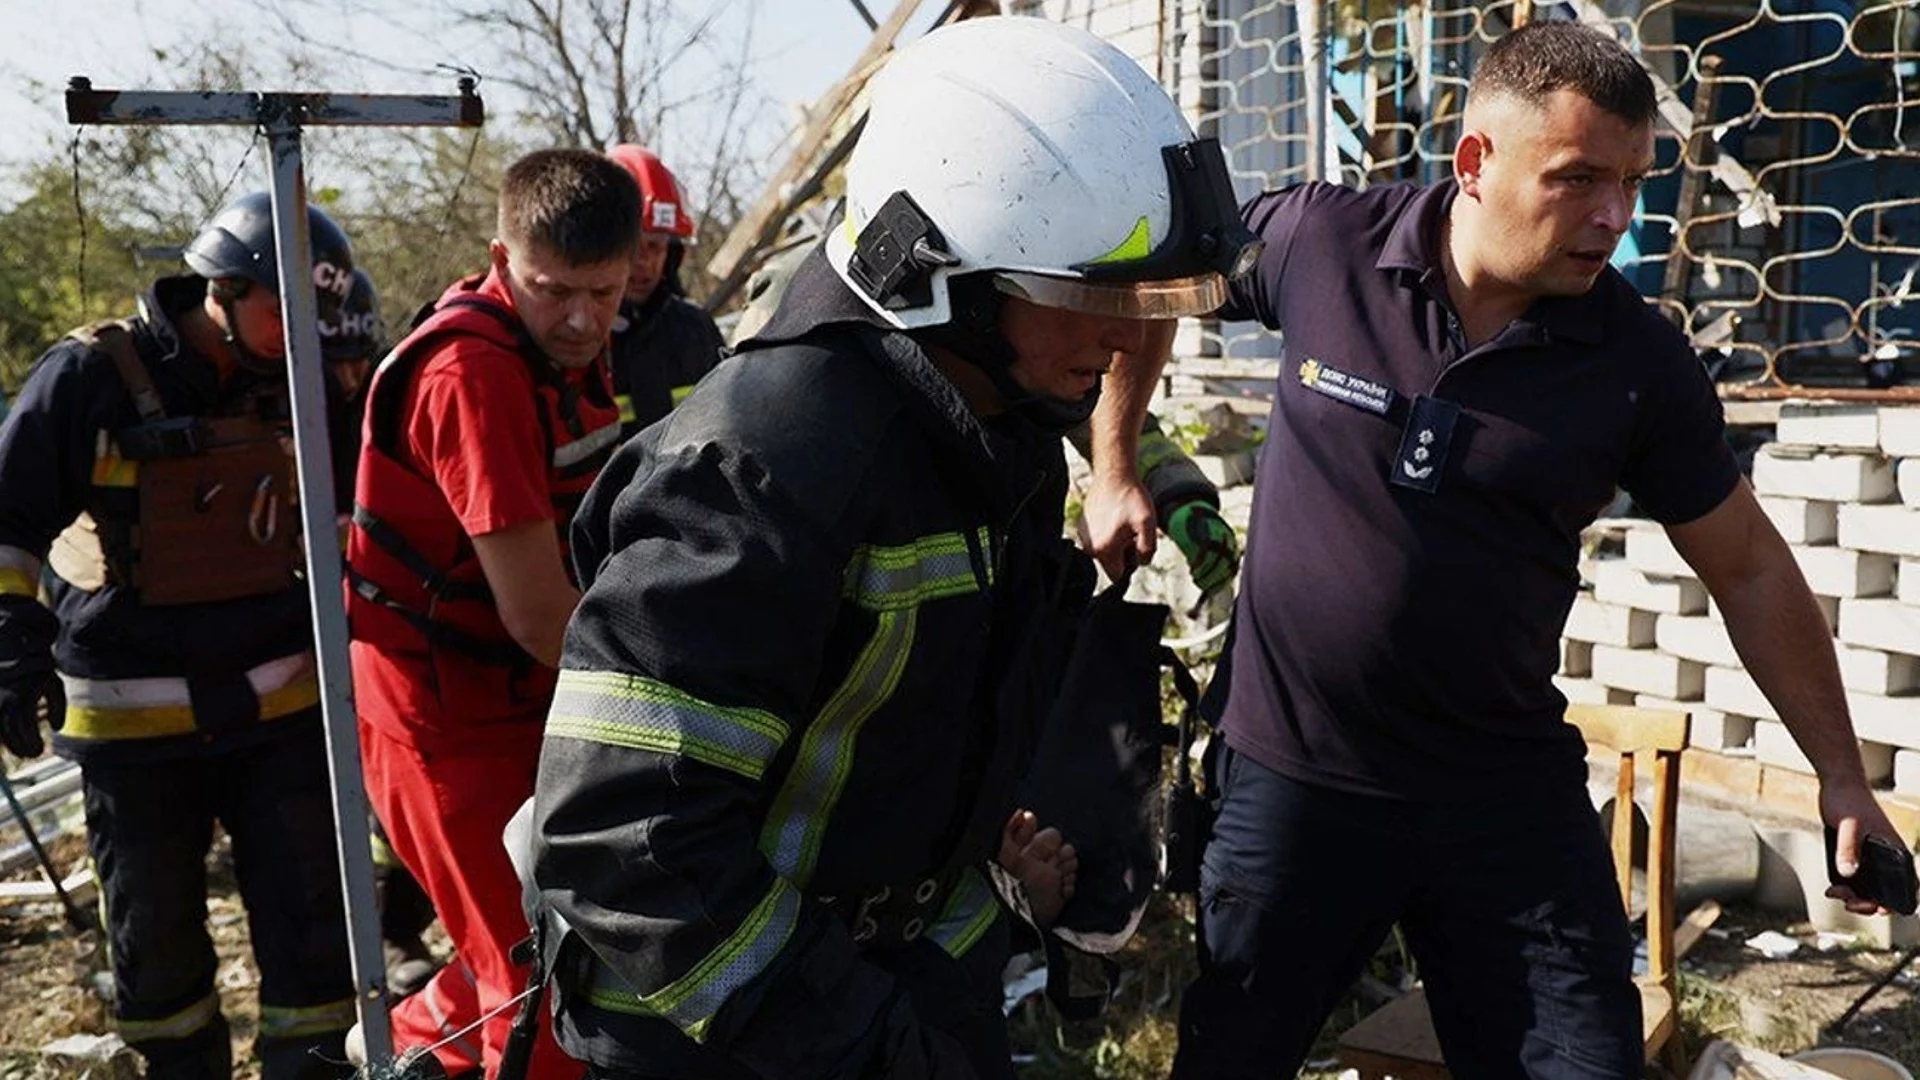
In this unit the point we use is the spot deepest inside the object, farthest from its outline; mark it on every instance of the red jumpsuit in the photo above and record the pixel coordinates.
(469, 431)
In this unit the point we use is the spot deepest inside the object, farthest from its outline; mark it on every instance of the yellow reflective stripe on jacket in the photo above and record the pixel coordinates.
(109, 468)
(292, 1022)
(679, 393)
(691, 1001)
(627, 412)
(638, 713)
(969, 911)
(932, 567)
(797, 822)
(177, 1026)
(19, 572)
(155, 707)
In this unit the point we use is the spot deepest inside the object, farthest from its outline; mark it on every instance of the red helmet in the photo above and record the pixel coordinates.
(661, 210)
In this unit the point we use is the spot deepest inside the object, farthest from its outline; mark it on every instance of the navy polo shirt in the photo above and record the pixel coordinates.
(1417, 511)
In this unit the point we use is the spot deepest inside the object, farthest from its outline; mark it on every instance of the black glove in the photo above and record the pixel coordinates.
(20, 696)
(27, 632)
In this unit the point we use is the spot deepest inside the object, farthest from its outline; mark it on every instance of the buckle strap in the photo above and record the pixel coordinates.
(433, 578)
(493, 653)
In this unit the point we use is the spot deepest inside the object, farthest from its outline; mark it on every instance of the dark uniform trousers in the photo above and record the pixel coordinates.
(150, 826)
(1510, 907)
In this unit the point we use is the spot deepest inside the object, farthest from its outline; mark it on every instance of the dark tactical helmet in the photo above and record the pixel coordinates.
(237, 245)
(357, 333)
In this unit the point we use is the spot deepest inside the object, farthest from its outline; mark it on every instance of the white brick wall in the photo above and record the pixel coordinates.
(1796, 473)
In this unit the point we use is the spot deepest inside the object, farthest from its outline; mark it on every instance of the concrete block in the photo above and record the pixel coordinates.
(1801, 521)
(1842, 572)
(1615, 582)
(1907, 480)
(1709, 729)
(1908, 587)
(1609, 624)
(1829, 607)
(1876, 671)
(1733, 690)
(1906, 771)
(1809, 424)
(1900, 431)
(1650, 552)
(1648, 671)
(1588, 692)
(1576, 658)
(1881, 624)
(1894, 530)
(1695, 637)
(1882, 719)
(1847, 478)
(1774, 745)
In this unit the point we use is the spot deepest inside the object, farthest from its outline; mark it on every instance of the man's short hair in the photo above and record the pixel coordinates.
(577, 204)
(1539, 58)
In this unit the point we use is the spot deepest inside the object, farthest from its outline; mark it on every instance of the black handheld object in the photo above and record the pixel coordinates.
(1886, 874)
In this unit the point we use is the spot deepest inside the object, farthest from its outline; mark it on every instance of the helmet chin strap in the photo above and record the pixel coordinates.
(974, 335)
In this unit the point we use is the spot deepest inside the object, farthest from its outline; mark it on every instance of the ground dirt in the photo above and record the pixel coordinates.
(53, 985)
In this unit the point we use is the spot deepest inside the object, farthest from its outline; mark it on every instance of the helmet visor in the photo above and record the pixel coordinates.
(1172, 298)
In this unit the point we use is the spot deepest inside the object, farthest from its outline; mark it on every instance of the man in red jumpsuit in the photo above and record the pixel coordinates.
(484, 429)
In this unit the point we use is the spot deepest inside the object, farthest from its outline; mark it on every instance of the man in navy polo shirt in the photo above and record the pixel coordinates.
(1465, 382)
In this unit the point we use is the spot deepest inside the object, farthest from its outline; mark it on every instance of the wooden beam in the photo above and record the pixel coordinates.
(763, 221)
(1629, 729)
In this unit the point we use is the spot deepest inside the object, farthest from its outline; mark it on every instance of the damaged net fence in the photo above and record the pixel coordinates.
(1779, 229)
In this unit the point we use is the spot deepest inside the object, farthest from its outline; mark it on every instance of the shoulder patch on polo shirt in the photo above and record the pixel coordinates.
(1345, 387)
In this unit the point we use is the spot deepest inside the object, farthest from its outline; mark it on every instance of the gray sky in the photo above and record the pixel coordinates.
(799, 48)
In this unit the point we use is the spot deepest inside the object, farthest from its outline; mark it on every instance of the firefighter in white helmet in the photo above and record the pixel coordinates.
(825, 599)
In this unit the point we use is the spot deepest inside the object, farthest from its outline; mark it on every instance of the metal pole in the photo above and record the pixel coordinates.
(282, 116)
(306, 379)
(1310, 17)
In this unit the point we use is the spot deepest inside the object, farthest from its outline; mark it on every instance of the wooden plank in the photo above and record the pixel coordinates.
(80, 886)
(1629, 729)
(764, 219)
(1662, 841)
(1694, 927)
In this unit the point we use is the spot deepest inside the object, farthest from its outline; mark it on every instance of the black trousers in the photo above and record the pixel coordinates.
(150, 826)
(1510, 907)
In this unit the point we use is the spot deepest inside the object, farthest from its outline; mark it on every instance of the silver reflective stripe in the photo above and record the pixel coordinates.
(449, 1031)
(19, 572)
(798, 819)
(970, 909)
(585, 446)
(292, 1022)
(691, 1001)
(890, 578)
(160, 692)
(639, 713)
(178, 1026)
(13, 558)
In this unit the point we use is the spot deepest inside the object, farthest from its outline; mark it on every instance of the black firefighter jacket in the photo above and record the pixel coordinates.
(143, 682)
(823, 614)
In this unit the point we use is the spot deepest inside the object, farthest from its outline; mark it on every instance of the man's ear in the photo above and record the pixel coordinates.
(497, 251)
(1469, 160)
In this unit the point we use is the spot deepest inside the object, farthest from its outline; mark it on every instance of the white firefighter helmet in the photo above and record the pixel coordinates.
(1045, 156)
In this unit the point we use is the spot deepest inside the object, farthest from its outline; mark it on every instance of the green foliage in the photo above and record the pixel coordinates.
(47, 287)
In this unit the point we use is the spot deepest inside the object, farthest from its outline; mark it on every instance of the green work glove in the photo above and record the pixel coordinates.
(1209, 543)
